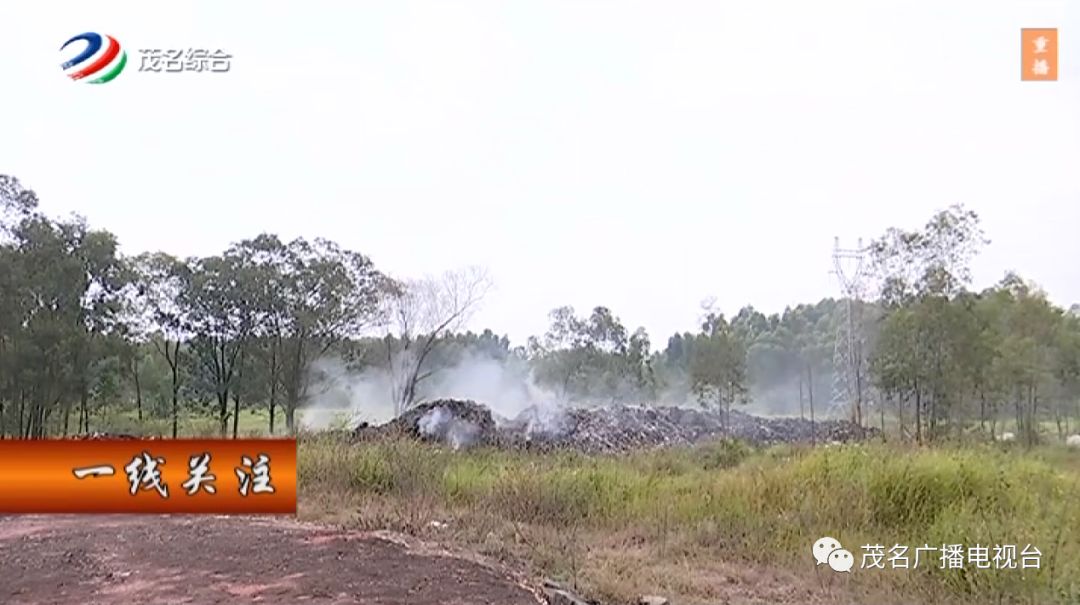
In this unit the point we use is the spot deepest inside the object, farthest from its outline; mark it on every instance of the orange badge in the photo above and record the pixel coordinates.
(1039, 55)
(220, 476)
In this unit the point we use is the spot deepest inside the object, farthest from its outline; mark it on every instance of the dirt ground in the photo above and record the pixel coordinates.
(109, 560)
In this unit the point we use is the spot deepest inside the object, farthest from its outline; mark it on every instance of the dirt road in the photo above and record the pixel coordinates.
(109, 560)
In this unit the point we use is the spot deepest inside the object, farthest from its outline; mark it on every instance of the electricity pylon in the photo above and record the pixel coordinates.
(849, 359)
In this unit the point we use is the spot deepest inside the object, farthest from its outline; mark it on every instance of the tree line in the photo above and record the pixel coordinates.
(83, 327)
(935, 357)
(86, 331)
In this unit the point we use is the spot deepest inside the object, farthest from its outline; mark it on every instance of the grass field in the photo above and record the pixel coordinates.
(669, 522)
(252, 423)
(675, 522)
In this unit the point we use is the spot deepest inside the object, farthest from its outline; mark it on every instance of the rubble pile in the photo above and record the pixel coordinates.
(788, 430)
(615, 429)
(96, 436)
(452, 421)
(603, 430)
(622, 428)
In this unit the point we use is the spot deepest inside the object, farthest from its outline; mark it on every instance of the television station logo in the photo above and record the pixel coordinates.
(828, 551)
(101, 60)
(97, 58)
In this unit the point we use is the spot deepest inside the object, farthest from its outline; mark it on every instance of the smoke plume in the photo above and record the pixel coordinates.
(441, 424)
(343, 395)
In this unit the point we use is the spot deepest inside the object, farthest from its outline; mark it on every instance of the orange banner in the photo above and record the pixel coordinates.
(1039, 55)
(219, 476)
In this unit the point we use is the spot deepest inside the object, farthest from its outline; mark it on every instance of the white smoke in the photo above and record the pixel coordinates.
(506, 387)
(441, 424)
(341, 395)
(431, 423)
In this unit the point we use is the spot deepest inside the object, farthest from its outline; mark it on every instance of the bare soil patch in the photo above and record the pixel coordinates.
(109, 560)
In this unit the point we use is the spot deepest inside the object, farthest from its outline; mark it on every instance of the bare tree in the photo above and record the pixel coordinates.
(418, 313)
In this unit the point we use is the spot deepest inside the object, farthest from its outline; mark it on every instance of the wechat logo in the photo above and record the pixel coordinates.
(828, 551)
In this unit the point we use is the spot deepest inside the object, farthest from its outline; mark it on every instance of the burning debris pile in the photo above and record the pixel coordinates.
(602, 430)
(452, 421)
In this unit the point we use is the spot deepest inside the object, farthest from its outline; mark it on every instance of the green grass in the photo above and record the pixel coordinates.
(663, 521)
(252, 423)
(620, 526)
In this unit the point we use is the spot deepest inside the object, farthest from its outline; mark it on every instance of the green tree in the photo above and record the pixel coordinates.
(329, 294)
(222, 317)
(59, 278)
(718, 365)
(156, 312)
(593, 359)
(929, 322)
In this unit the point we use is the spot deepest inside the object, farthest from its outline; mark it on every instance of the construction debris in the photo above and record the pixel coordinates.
(603, 430)
(558, 594)
(456, 422)
(96, 436)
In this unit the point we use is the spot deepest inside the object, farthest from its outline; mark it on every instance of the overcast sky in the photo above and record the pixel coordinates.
(638, 155)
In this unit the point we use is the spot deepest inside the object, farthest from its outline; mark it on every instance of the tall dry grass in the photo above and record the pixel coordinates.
(618, 526)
